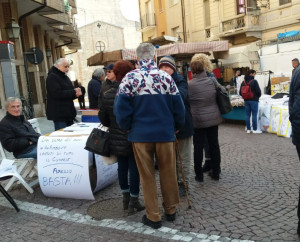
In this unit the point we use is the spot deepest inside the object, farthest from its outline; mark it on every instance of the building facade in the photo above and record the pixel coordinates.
(46, 25)
(246, 24)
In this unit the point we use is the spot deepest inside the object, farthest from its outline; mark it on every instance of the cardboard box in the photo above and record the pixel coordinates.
(90, 112)
(277, 80)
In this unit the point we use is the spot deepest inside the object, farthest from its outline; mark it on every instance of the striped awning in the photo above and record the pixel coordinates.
(183, 48)
(171, 49)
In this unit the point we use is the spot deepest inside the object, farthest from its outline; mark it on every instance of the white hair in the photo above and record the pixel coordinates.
(145, 51)
(12, 100)
(60, 61)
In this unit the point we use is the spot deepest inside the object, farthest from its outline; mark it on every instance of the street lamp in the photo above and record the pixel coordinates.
(48, 52)
(13, 30)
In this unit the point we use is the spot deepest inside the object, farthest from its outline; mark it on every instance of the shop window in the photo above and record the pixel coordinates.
(241, 7)
(282, 2)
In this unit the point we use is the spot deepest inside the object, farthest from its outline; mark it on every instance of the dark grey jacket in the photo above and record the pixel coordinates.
(203, 101)
(15, 134)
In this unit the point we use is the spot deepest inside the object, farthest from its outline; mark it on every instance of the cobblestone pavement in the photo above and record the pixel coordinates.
(255, 199)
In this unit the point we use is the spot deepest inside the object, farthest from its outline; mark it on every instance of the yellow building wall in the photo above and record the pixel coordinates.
(160, 15)
(228, 9)
(173, 17)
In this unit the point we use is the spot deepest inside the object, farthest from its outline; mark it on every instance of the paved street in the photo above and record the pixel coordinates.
(255, 199)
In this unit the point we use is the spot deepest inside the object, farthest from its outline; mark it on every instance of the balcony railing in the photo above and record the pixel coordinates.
(246, 22)
(61, 18)
(148, 20)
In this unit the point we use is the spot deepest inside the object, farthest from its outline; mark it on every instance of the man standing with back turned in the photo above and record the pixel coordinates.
(60, 95)
(149, 106)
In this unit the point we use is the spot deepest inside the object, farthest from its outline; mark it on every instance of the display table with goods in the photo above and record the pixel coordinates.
(238, 108)
(66, 169)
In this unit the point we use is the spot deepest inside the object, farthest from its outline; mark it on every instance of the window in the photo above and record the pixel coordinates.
(241, 8)
(282, 2)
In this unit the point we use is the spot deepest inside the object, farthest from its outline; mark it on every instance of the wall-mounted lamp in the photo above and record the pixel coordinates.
(13, 30)
(48, 52)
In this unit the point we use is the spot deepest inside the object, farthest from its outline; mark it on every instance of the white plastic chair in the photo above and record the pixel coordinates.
(24, 167)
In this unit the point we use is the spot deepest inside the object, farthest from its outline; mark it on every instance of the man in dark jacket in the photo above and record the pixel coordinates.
(60, 95)
(81, 98)
(294, 110)
(17, 134)
(94, 87)
(185, 135)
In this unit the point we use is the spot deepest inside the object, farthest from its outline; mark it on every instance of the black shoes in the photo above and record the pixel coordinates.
(170, 217)
(148, 222)
(199, 177)
(214, 176)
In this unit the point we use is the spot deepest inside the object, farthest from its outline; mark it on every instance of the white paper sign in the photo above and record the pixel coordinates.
(106, 174)
(63, 167)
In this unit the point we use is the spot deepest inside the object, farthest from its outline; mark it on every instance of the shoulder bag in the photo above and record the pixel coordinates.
(223, 99)
(98, 141)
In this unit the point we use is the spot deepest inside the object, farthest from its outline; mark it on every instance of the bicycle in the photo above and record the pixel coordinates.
(27, 110)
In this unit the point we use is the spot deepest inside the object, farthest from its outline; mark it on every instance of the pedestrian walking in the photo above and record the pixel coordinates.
(149, 106)
(60, 95)
(185, 135)
(294, 111)
(206, 118)
(119, 144)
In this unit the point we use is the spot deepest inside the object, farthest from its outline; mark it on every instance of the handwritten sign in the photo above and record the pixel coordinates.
(106, 174)
(63, 167)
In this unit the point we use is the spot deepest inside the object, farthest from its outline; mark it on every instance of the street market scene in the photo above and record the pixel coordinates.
(142, 120)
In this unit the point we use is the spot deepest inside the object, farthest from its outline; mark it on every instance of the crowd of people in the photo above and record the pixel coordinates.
(149, 108)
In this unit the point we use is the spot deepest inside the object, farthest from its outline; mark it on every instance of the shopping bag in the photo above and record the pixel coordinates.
(223, 99)
(98, 142)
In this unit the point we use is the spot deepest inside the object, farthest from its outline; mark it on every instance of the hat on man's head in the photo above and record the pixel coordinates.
(109, 67)
(167, 61)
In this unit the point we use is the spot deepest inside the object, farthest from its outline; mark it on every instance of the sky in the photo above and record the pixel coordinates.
(132, 12)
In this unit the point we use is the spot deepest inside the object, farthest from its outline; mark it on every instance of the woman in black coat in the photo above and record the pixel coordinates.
(119, 144)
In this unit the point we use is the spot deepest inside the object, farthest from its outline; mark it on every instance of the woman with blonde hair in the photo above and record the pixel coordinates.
(206, 116)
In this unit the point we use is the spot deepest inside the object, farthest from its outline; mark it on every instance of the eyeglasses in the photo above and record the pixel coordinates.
(109, 71)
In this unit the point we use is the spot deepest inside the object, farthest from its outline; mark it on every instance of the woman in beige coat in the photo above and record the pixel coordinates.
(206, 118)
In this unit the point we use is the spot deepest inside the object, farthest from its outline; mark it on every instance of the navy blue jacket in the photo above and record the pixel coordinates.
(254, 87)
(294, 106)
(94, 88)
(182, 85)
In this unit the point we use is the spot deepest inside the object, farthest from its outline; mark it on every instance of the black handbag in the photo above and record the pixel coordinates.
(98, 142)
(223, 99)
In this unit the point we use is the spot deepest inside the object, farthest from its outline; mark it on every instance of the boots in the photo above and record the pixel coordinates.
(126, 198)
(134, 203)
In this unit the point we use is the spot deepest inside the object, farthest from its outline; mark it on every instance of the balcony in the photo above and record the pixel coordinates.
(148, 21)
(52, 6)
(57, 19)
(72, 3)
(248, 24)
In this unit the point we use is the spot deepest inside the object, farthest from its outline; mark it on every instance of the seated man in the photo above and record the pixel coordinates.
(16, 134)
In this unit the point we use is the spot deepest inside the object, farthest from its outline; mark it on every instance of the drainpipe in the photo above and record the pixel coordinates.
(23, 50)
(183, 21)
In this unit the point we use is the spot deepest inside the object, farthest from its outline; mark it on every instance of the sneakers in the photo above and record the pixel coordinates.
(257, 132)
(148, 222)
(248, 131)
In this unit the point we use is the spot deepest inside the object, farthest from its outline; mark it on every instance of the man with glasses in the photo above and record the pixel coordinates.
(17, 134)
(60, 95)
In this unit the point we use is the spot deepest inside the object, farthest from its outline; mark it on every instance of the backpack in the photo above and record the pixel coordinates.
(246, 91)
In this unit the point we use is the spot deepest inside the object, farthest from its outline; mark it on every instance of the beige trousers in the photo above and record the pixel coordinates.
(166, 160)
(186, 153)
